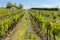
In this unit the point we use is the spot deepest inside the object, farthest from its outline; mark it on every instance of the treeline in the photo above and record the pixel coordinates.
(53, 9)
(10, 5)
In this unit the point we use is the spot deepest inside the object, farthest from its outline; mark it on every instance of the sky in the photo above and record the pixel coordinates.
(33, 3)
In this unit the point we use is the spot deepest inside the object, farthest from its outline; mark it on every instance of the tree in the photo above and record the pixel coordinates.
(15, 5)
(20, 6)
(9, 5)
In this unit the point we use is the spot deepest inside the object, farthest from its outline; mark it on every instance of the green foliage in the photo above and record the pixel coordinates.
(15, 5)
(1, 29)
(48, 25)
(6, 23)
(41, 20)
(48, 19)
(20, 6)
(9, 5)
(50, 9)
(56, 30)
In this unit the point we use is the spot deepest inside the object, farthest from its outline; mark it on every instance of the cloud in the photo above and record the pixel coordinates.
(51, 6)
(48, 6)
